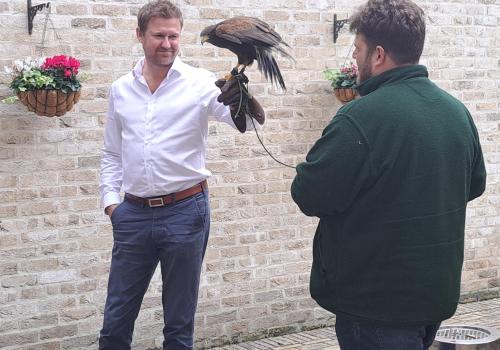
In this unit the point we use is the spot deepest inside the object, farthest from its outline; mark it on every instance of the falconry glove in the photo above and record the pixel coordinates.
(234, 94)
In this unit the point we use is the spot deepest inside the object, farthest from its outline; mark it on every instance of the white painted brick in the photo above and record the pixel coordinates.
(57, 276)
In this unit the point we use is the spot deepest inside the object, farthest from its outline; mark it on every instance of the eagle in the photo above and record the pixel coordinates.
(250, 39)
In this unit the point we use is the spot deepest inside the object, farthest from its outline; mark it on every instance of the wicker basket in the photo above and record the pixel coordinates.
(49, 103)
(345, 95)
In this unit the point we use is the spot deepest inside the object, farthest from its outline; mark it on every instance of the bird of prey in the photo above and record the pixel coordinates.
(250, 39)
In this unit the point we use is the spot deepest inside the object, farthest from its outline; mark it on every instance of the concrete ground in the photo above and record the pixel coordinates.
(483, 313)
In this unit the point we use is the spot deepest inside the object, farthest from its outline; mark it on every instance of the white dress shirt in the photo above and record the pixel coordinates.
(155, 143)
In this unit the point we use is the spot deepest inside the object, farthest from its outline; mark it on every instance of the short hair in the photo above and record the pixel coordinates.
(157, 8)
(396, 25)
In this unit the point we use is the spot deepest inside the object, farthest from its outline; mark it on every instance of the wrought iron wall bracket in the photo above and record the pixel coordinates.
(32, 10)
(337, 25)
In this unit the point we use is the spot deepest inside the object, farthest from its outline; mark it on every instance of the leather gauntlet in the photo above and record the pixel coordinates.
(234, 94)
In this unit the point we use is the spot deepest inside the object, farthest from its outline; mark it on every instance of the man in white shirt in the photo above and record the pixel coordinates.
(154, 150)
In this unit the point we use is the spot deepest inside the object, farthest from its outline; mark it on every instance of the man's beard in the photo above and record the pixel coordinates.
(365, 71)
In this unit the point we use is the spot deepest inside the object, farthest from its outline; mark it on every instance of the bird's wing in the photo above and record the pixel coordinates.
(248, 30)
(227, 34)
(255, 34)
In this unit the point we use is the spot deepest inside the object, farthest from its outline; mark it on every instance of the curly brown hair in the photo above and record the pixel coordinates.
(396, 25)
(157, 8)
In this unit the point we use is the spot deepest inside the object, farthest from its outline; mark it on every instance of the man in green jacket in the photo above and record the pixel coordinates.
(390, 179)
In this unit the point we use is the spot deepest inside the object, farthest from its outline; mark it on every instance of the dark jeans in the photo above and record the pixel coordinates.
(176, 236)
(354, 335)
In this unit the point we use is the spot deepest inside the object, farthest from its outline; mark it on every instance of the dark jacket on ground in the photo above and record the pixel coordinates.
(390, 179)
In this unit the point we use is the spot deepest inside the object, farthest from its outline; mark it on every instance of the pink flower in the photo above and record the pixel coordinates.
(61, 62)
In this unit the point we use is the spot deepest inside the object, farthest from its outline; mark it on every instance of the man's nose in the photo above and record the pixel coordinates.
(165, 43)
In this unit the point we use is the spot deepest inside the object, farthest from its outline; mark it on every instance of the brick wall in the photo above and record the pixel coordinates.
(55, 242)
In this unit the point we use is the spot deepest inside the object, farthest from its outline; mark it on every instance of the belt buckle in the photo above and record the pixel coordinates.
(159, 202)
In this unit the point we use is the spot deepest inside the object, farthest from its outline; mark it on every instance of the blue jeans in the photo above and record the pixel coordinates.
(354, 335)
(176, 236)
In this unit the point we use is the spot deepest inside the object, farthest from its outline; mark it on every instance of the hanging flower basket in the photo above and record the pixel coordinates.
(49, 87)
(345, 95)
(49, 103)
(343, 81)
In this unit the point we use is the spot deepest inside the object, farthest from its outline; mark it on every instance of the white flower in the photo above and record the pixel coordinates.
(18, 65)
(26, 64)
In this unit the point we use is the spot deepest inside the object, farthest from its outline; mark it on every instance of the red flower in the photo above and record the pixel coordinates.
(62, 62)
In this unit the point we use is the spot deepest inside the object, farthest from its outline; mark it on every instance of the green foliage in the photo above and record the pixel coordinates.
(10, 100)
(61, 82)
(31, 80)
(343, 77)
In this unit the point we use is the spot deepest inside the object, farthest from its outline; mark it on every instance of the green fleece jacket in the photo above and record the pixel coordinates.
(390, 179)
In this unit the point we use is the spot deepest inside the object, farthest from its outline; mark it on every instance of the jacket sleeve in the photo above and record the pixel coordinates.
(337, 167)
(478, 176)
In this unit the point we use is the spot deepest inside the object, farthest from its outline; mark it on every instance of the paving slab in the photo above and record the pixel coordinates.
(482, 313)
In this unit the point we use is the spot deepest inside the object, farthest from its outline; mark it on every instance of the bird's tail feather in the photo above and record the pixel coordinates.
(269, 67)
(283, 52)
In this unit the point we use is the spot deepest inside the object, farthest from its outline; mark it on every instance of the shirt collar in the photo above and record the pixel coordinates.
(392, 76)
(178, 66)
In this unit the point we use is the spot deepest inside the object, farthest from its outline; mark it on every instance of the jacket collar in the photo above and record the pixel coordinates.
(391, 76)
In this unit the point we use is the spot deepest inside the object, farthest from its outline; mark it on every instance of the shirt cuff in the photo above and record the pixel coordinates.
(110, 198)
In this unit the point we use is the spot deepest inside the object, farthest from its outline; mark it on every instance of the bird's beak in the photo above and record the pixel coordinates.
(204, 38)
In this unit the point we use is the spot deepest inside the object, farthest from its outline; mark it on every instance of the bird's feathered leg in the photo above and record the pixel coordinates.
(235, 71)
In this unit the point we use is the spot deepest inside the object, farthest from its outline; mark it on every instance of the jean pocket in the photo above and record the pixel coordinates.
(184, 222)
(202, 204)
(115, 212)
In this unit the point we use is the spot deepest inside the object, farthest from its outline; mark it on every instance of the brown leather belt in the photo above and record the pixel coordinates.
(161, 201)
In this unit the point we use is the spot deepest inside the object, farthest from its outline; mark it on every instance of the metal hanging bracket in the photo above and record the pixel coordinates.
(337, 25)
(32, 10)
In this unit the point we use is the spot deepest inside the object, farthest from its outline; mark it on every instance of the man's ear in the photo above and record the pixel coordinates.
(379, 57)
(380, 53)
(139, 34)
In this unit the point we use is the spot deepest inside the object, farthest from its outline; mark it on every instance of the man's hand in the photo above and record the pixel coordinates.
(235, 95)
(110, 209)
